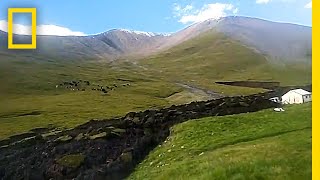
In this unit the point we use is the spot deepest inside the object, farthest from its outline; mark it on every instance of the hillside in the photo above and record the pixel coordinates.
(280, 42)
(95, 106)
(106, 46)
(213, 56)
(264, 145)
(181, 74)
(29, 97)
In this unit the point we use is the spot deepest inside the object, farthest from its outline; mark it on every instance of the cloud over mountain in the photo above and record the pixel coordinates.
(189, 14)
(41, 30)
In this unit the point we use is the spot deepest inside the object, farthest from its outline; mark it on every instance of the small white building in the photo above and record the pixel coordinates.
(296, 96)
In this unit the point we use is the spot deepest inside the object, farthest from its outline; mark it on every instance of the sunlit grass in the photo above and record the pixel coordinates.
(262, 145)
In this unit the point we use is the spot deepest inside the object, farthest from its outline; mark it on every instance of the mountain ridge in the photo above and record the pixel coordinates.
(280, 41)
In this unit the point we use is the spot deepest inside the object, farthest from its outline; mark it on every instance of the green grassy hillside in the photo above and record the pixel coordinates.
(261, 145)
(214, 57)
(29, 98)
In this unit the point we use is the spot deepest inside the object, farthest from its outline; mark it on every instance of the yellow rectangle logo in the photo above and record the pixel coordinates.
(33, 44)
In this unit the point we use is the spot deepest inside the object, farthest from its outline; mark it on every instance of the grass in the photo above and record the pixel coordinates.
(30, 100)
(214, 57)
(261, 145)
(30, 87)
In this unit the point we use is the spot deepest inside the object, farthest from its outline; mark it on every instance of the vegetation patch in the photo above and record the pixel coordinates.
(64, 138)
(72, 161)
(261, 145)
(118, 132)
(97, 136)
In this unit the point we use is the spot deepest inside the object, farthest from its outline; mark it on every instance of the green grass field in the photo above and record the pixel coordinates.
(30, 100)
(30, 87)
(261, 145)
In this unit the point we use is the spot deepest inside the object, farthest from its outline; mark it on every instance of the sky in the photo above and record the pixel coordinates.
(85, 17)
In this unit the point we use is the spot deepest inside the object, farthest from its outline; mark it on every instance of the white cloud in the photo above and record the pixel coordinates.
(210, 11)
(41, 30)
(179, 11)
(235, 11)
(309, 5)
(262, 1)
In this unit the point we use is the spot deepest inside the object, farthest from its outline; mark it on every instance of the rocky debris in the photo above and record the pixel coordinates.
(111, 148)
(210, 94)
(83, 85)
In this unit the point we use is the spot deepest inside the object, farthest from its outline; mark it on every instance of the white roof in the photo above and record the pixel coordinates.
(301, 92)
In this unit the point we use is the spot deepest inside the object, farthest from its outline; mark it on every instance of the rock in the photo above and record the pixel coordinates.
(63, 138)
(243, 104)
(55, 170)
(126, 157)
(147, 131)
(118, 132)
(136, 120)
(222, 104)
(2, 172)
(150, 121)
(71, 161)
(97, 136)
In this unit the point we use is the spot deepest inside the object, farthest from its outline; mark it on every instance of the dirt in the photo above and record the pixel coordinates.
(197, 90)
(252, 84)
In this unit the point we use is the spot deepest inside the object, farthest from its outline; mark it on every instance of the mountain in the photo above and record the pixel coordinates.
(132, 42)
(109, 45)
(214, 56)
(280, 42)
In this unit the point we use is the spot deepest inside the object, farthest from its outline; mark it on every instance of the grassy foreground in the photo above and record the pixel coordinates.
(262, 145)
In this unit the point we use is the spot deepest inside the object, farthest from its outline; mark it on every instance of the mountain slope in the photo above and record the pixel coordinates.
(132, 42)
(281, 42)
(109, 45)
(213, 56)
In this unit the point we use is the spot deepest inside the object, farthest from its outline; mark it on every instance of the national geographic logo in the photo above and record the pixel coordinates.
(33, 44)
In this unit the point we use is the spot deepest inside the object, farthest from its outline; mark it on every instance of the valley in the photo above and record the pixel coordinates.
(76, 85)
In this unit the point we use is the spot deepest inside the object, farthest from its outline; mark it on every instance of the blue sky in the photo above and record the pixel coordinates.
(95, 16)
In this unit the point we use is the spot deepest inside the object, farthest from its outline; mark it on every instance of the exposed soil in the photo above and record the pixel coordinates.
(253, 84)
(193, 89)
(33, 113)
